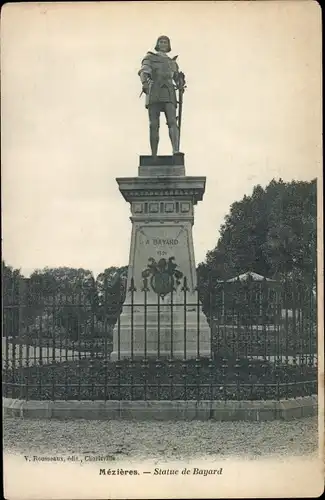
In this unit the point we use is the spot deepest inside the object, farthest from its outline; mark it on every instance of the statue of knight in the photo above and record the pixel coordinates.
(161, 78)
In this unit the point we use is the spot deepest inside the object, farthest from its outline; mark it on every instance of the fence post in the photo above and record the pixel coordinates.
(132, 289)
(21, 310)
(92, 336)
(145, 364)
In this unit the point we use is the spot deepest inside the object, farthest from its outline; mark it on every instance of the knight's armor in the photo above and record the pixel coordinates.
(159, 72)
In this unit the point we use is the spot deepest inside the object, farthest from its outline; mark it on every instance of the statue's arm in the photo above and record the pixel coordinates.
(145, 74)
(177, 74)
(179, 78)
(176, 77)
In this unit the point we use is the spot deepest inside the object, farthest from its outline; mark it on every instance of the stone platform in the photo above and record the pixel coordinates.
(162, 200)
(255, 411)
(162, 166)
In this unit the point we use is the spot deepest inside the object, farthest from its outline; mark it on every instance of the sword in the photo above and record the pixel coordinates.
(181, 88)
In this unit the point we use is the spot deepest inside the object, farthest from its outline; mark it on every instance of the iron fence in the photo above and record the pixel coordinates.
(57, 345)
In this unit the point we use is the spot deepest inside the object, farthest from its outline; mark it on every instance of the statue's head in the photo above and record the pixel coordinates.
(163, 44)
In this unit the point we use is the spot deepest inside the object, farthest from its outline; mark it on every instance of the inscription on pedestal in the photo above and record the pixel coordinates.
(158, 242)
(166, 241)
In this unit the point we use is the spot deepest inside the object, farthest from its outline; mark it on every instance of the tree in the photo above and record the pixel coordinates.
(63, 303)
(62, 283)
(62, 299)
(272, 232)
(12, 285)
(69, 302)
(111, 287)
(290, 246)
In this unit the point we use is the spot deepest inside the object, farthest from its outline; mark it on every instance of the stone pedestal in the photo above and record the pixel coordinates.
(162, 200)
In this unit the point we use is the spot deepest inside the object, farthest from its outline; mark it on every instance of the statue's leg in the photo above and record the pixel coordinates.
(154, 118)
(170, 112)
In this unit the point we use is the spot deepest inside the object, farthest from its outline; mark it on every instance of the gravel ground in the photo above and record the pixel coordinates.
(130, 440)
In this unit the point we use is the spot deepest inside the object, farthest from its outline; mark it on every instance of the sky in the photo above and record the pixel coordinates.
(72, 120)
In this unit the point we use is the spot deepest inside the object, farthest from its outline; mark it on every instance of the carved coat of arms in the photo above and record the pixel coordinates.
(164, 277)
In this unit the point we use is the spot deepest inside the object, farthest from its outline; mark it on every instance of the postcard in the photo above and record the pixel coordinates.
(162, 267)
